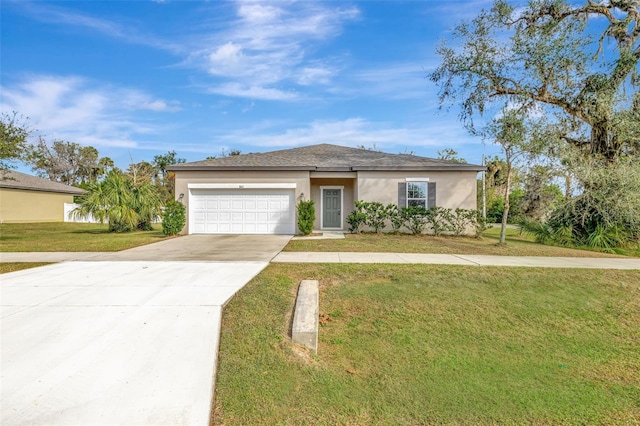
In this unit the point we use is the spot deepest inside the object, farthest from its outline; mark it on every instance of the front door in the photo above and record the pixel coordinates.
(331, 208)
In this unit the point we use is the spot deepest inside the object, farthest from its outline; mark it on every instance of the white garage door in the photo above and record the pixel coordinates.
(242, 211)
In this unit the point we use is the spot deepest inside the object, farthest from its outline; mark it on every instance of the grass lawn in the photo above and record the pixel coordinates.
(65, 236)
(517, 245)
(424, 344)
(18, 266)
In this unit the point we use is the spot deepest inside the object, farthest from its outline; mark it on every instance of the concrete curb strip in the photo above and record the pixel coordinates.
(305, 319)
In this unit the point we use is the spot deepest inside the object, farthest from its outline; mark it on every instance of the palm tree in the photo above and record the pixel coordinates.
(124, 205)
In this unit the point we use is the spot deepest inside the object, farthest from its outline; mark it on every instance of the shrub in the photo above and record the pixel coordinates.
(460, 219)
(479, 223)
(439, 219)
(306, 216)
(376, 215)
(605, 239)
(396, 219)
(540, 231)
(357, 217)
(174, 218)
(414, 218)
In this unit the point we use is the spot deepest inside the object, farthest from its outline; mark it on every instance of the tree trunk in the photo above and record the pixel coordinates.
(568, 183)
(505, 213)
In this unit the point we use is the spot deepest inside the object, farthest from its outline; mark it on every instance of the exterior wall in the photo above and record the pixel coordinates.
(21, 206)
(453, 189)
(348, 197)
(183, 178)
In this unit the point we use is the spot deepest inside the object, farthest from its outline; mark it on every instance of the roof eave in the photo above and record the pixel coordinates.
(241, 168)
(421, 168)
(32, 188)
(454, 168)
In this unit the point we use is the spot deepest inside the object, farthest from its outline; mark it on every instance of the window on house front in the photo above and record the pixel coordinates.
(417, 194)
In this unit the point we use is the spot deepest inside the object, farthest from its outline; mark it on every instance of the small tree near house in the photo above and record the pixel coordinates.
(306, 216)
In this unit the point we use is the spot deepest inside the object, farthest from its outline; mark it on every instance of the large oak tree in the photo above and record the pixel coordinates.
(575, 65)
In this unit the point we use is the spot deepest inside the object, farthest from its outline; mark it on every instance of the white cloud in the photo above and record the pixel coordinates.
(396, 81)
(350, 132)
(59, 15)
(137, 100)
(257, 13)
(271, 44)
(78, 110)
(312, 75)
(256, 92)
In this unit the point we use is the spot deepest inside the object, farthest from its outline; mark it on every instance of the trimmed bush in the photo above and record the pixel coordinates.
(396, 219)
(414, 218)
(357, 217)
(174, 218)
(439, 219)
(306, 216)
(377, 215)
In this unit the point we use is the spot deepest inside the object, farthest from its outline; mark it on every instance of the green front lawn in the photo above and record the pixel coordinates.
(517, 245)
(421, 344)
(18, 266)
(64, 236)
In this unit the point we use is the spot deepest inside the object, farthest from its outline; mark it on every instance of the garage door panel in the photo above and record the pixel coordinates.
(242, 211)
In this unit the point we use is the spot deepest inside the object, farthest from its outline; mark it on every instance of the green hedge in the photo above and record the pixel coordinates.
(415, 220)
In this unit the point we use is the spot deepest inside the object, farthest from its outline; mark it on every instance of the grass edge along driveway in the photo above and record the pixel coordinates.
(424, 344)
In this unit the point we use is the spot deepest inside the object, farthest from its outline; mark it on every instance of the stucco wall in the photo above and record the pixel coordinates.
(183, 178)
(18, 205)
(453, 189)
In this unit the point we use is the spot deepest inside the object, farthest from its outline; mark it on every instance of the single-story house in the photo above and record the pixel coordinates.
(258, 193)
(26, 198)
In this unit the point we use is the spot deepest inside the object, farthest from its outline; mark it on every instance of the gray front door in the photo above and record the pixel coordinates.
(331, 206)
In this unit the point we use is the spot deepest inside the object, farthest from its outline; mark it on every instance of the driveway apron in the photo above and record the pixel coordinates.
(129, 338)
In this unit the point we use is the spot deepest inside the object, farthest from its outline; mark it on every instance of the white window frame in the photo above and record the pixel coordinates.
(341, 188)
(426, 191)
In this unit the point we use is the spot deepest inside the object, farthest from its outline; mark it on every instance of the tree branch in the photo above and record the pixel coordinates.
(545, 98)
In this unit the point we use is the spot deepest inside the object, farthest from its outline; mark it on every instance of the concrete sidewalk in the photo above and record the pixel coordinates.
(353, 257)
(459, 259)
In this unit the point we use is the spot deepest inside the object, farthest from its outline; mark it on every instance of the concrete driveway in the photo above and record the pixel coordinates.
(130, 338)
(223, 248)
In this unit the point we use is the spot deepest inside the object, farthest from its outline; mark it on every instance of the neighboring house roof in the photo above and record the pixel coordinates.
(326, 157)
(17, 180)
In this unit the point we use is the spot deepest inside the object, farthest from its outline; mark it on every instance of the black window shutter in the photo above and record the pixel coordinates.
(431, 194)
(402, 194)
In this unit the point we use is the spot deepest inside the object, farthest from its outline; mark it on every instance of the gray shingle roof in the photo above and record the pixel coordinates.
(325, 157)
(17, 180)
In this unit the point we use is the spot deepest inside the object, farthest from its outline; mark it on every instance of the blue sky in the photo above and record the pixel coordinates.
(139, 78)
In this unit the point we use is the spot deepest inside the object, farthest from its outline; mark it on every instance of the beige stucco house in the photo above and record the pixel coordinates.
(26, 198)
(258, 193)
